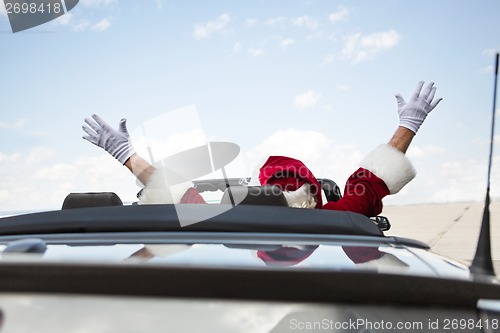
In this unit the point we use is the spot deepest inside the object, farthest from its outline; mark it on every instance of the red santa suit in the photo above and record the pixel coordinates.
(383, 171)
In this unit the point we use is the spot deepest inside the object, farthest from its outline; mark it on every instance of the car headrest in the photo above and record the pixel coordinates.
(267, 195)
(92, 199)
(330, 189)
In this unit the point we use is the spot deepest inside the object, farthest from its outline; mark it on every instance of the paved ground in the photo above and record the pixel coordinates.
(450, 229)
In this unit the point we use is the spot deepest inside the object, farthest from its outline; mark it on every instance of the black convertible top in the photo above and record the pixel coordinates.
(216, 218)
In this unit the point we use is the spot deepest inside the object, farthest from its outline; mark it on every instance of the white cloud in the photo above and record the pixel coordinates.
(85, 25)
(329, 59)
(489, 52)
(278, 21)
(487, 69)
(11, 158)
(64, 19)
(343, 87)
(326, 108)
(97, 3)
(82, 26)
(307, 100)
(161, 147)
(341, 15)
(256, 52)
(58, 172)
(358, 47)
(486, 142)
(306, 145)
(159, 4)
(205, 30)
(451, 180)
(424, 152)
(285, 43)
(317, 34)
(459, 181)
(101, 25)
(43, 182)
(18, 124)
(306, 21)
(251, 22)
(38, 155)
(236, 48)
(36, 180)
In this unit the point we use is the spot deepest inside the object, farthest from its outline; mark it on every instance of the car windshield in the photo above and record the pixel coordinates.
(313, 80)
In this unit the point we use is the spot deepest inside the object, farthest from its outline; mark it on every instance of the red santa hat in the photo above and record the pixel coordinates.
(289, 174)
(362, 254)
(286, 255)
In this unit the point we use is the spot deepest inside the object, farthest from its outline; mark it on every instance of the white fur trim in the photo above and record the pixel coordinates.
(157, 190)
(301, 198)
(390, 165)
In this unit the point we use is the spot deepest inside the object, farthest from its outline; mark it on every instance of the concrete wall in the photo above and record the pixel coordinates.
(451, 230)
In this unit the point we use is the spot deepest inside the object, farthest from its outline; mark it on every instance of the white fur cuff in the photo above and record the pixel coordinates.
(158, 191)
(390, 165)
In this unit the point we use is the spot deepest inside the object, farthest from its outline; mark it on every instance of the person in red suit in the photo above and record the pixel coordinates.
(385, 170)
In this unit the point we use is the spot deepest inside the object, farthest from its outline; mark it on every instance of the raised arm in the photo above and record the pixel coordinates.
(141, 168)
(401, 139)
(412, 114)
(386, 170)
(118, 144)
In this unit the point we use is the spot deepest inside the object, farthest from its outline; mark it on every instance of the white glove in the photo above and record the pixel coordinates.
(116, 142)
(413, 113)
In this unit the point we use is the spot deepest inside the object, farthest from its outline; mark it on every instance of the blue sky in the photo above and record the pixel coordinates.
(310, 79)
